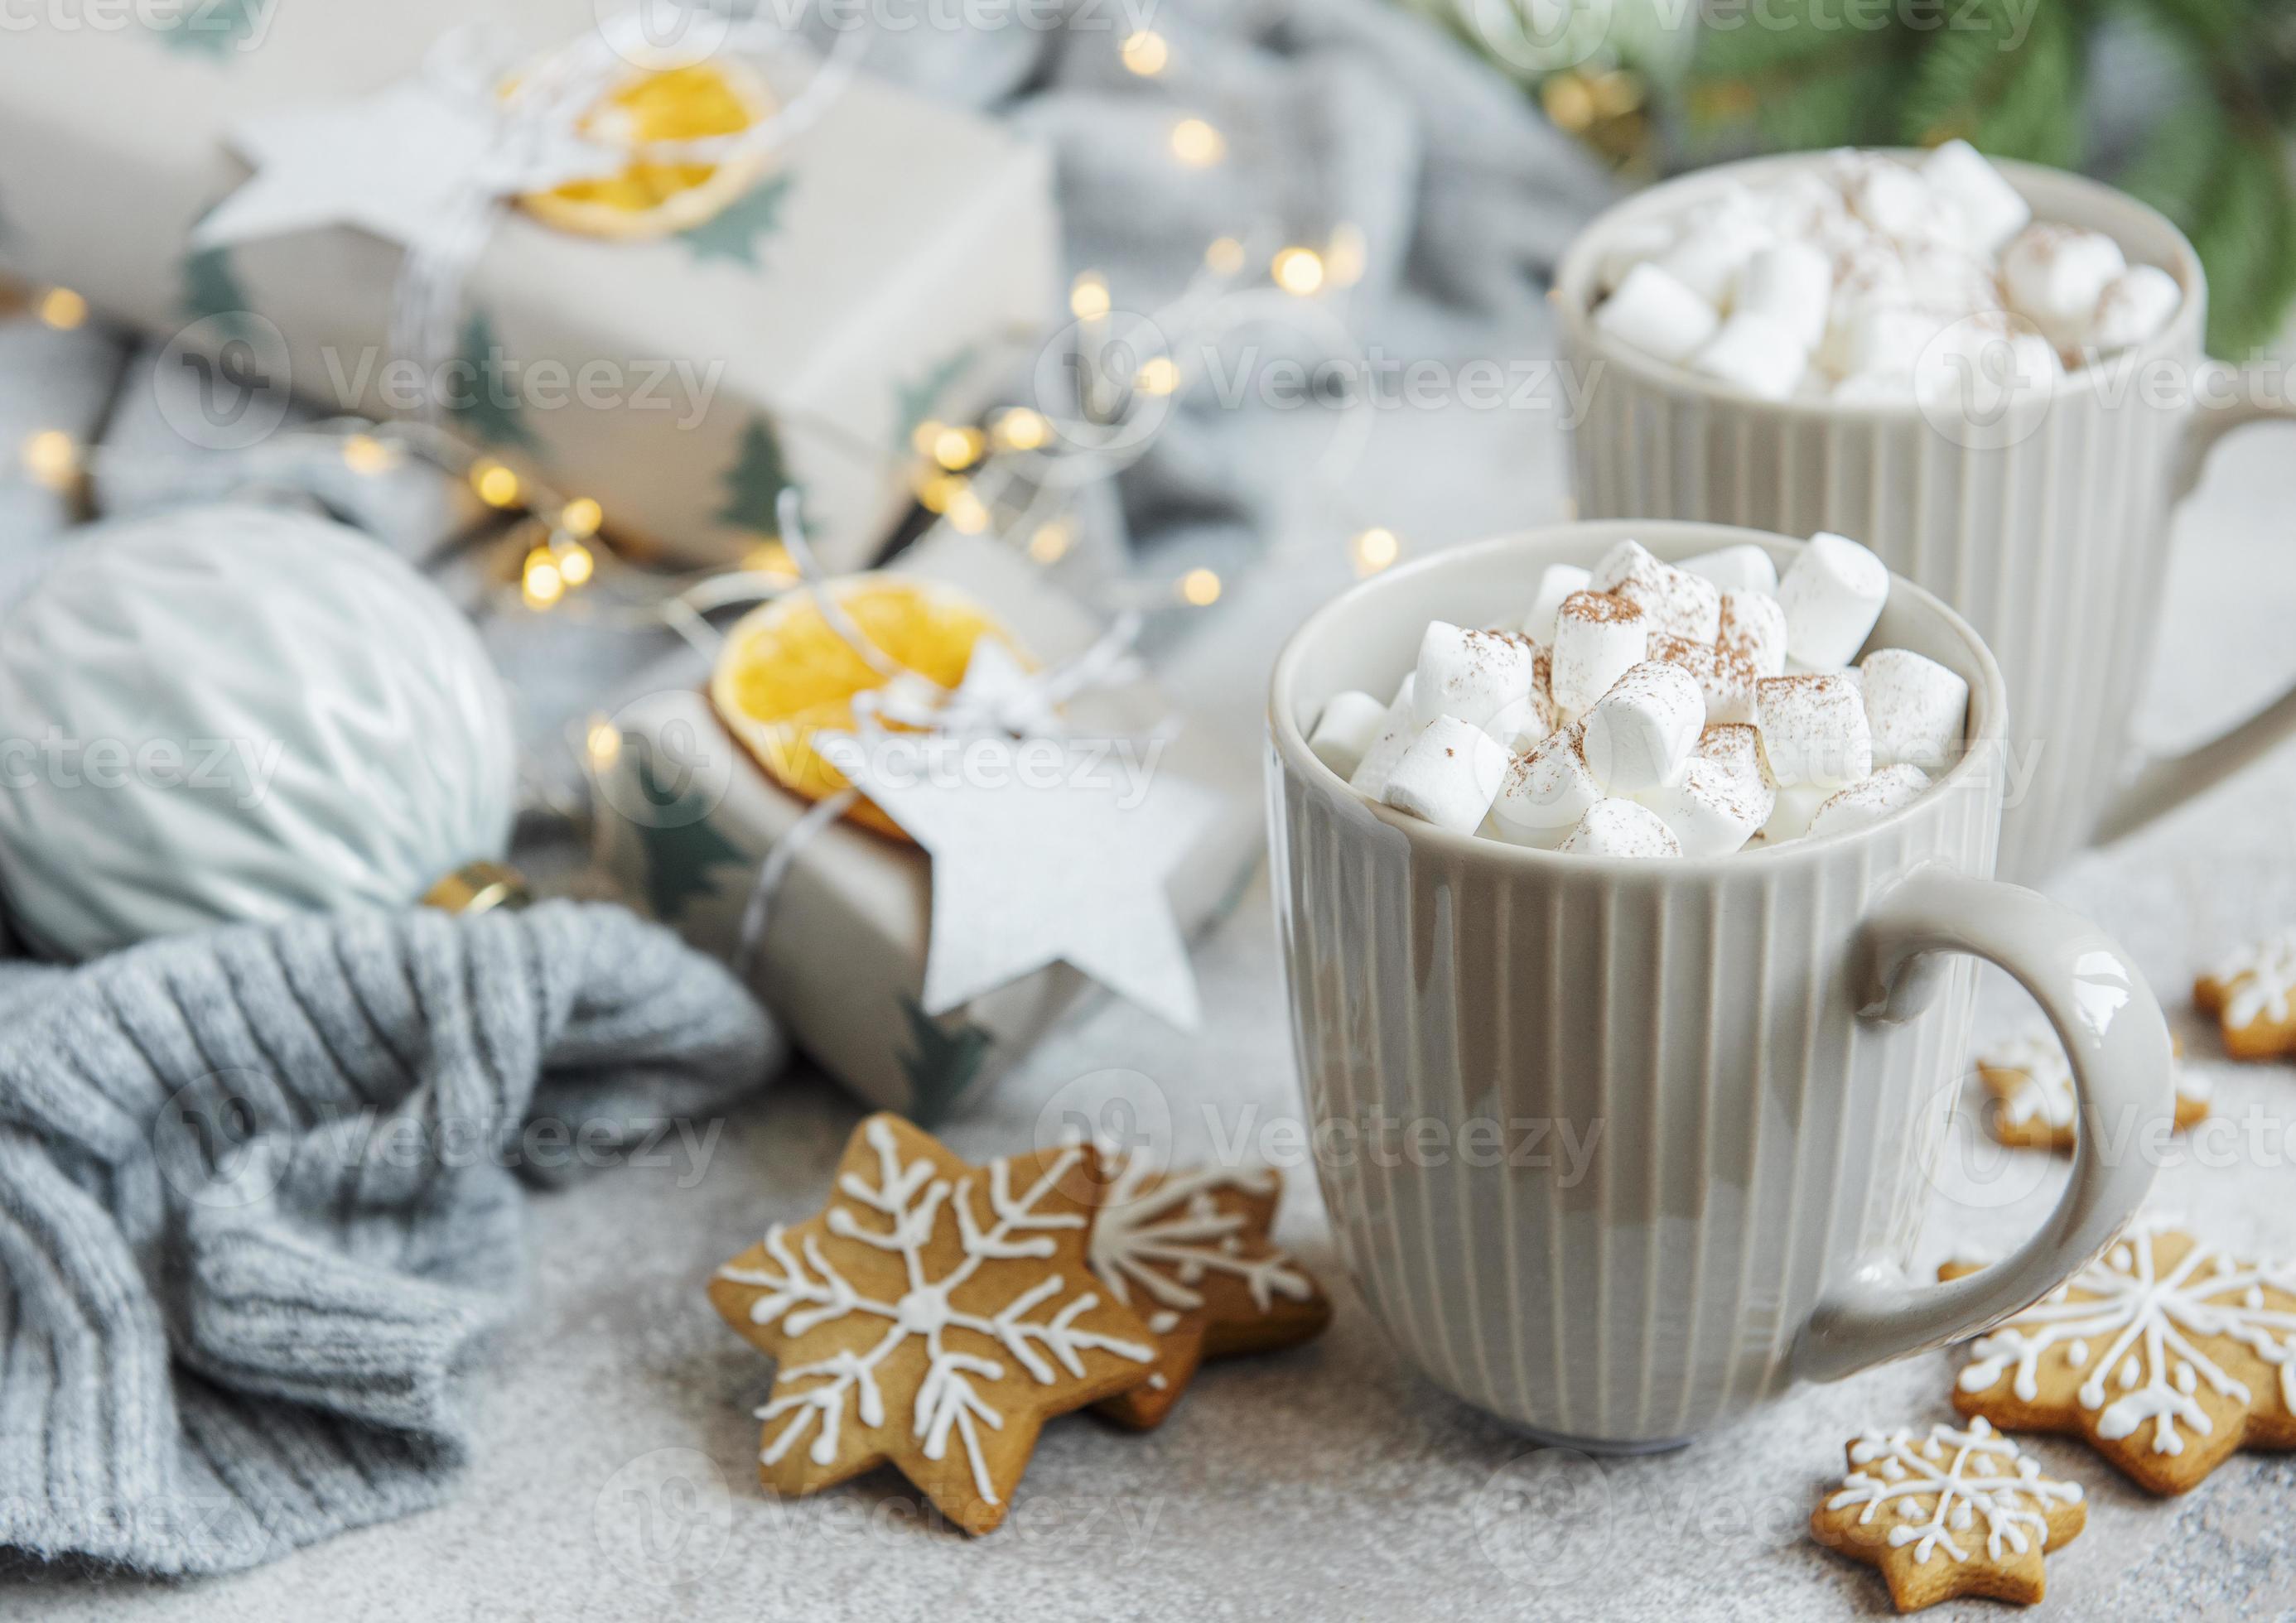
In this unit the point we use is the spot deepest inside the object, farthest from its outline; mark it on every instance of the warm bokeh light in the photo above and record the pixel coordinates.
(51, 457)
(1201, 588)
(1159, 375)
(1089, 298)
(541, 582)
(954, 449)
(364, 454)
(1225, 256)
(603, 742)
(1345, 254)
(1374, 549)
(1145, 53)
(576, 565)
(497, 486)
(1052, 541)
(580, 518)
(1023, 430)
(62, 309)
(967, 512)
(1299, 271)
(1197, 143)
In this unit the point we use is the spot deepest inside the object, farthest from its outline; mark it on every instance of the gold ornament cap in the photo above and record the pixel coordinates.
(476, 888)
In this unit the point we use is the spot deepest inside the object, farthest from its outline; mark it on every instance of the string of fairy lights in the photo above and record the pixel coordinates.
(1015, 477)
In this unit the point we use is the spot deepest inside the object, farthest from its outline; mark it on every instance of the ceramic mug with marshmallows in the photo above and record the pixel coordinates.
(2046, 523)
(1618, 1149)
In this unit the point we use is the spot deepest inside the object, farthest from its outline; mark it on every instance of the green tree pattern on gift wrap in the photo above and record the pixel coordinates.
(484, 401)
(684, 853)
(211, 291)
(736, 231)
(940, 1063)
(755, 482)
(212, 28)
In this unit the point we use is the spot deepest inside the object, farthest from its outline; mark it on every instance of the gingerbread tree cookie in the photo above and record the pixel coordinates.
(1953, 1513)
(2034, 1107)
(1191, 1251)
(934, 1316)
(2166, 1355)
(2251, 993)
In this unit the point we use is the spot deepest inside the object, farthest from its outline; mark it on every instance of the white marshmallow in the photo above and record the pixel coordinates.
(1725, 678)
(1521, 724)
(1639, 734)
(1621, 828)
(1598, 638)
(1678, 602)
(1813, 731)
(2134, 305)
(1791, 810)
(1884, 338)
(1396, 731)
(1737, 746)
(1989, 209)
(1559, 581)
(1471, 674)
(1832, 596)
(1791, 283)
(1915, 707)
(1754, 628)
(1743, 568)
(1632, 246)
(1983, 362)
(1350, 724)
(1716, 241)
(1657, 315)
(1757, 353)
(1892, 199)
(1869, 800)
(1707, 809)
(2054, 274)
(1546, 793)
(1450, 775)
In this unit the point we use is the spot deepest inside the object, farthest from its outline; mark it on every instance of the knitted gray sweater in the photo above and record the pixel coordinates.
(256, 1202)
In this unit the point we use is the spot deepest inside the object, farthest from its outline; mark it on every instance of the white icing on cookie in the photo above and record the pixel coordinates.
(909, 1199)
(2145, 1324)
(1165, 1240)
(1935, 1498)
(2046, 1091)
(2258, 981)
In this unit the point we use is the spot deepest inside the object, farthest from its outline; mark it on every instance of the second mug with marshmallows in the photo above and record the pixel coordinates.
(2044, 520)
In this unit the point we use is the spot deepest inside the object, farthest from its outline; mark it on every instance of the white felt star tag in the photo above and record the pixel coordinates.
(408, 164)
(1043, 849)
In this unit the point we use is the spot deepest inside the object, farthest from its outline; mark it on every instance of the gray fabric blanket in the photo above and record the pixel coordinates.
(258, 1201)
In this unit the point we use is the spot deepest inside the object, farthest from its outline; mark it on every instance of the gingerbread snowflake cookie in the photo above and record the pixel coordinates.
(934, 1316)
(2031, 1084)
(1190, 1250)
(1953, 1513)
(2167, 1354)
(2251, 995)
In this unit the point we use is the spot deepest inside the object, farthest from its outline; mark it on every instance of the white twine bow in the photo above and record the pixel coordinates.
(1007, 700)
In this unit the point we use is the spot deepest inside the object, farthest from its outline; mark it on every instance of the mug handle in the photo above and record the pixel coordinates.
(2161, 786)
(2118, 1042)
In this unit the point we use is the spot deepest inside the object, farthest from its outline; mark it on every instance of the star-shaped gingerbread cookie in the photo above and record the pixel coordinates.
(1190, 1250)
(2167, 1354)
(2031, 1084)
(2251, 995)
(1953, 1513)
(935, 1315)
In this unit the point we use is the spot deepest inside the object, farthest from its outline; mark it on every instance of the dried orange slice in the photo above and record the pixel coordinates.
(785, 674)
(654, 200)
